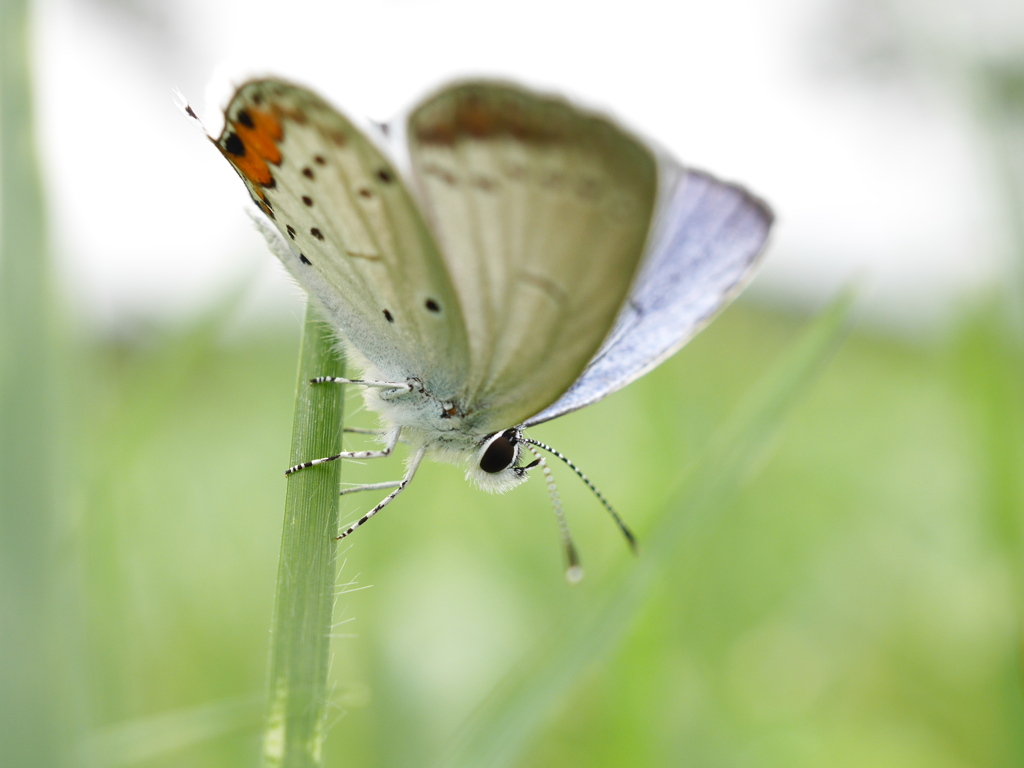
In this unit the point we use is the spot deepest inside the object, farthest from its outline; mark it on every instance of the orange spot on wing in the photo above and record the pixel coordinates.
(262, 138)
(253, 168)
(258, 144)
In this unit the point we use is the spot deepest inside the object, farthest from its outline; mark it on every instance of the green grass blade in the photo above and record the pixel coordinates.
(297, 694)
(988, 365)
(33, 716)
(157, 737)
(510, 720)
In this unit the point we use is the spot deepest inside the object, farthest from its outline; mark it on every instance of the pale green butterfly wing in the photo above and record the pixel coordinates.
(351, 233)
(542, 211)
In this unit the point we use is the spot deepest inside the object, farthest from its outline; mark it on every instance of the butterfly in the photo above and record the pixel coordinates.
(497, 259)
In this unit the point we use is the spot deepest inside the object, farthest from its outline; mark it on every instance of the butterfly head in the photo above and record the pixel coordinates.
(495, 466)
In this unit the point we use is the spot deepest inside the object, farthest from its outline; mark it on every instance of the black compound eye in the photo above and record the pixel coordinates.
(500, 454)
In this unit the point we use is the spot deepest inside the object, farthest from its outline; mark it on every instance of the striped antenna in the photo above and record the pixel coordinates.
(630, 538)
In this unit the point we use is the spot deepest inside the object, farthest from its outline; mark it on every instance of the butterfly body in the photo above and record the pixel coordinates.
(443, 430)
(498, 259)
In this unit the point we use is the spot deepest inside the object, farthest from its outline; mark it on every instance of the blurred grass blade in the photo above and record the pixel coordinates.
(34, 689)
(1001, 88)
(989, 367)
(510, 720)
(297, 693)
(150, 738)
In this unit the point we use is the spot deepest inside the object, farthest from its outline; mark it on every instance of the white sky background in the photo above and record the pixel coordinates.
(886, 181)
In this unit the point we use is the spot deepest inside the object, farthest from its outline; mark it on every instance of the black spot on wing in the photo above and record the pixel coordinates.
(234, 146)
(303, 259)
(388, 316)
(319, 160)
(307, 172)
(307, 200)
(432, 305)
(385, 176)
(291, 231)
(244, 118)
(315, 232)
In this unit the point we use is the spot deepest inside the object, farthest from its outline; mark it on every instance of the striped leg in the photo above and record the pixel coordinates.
(413, 466)
(392, 442)
(362, 382)
(371, 487)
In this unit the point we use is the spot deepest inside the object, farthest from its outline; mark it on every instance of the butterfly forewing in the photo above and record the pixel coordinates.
(542, 212)
(356, 240)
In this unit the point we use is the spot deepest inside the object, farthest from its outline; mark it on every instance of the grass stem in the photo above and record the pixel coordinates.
(299, 655)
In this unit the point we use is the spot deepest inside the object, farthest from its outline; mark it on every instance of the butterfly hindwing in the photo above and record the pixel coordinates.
(541, 211)
(355, 239)
(706, 239)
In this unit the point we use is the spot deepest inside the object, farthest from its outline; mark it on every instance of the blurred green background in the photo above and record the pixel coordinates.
(859, 605)
(854, 601)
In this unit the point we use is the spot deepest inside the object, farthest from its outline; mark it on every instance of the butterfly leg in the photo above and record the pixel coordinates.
(362, 382)
(371, 487)
(386, 451)
(414, 464)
